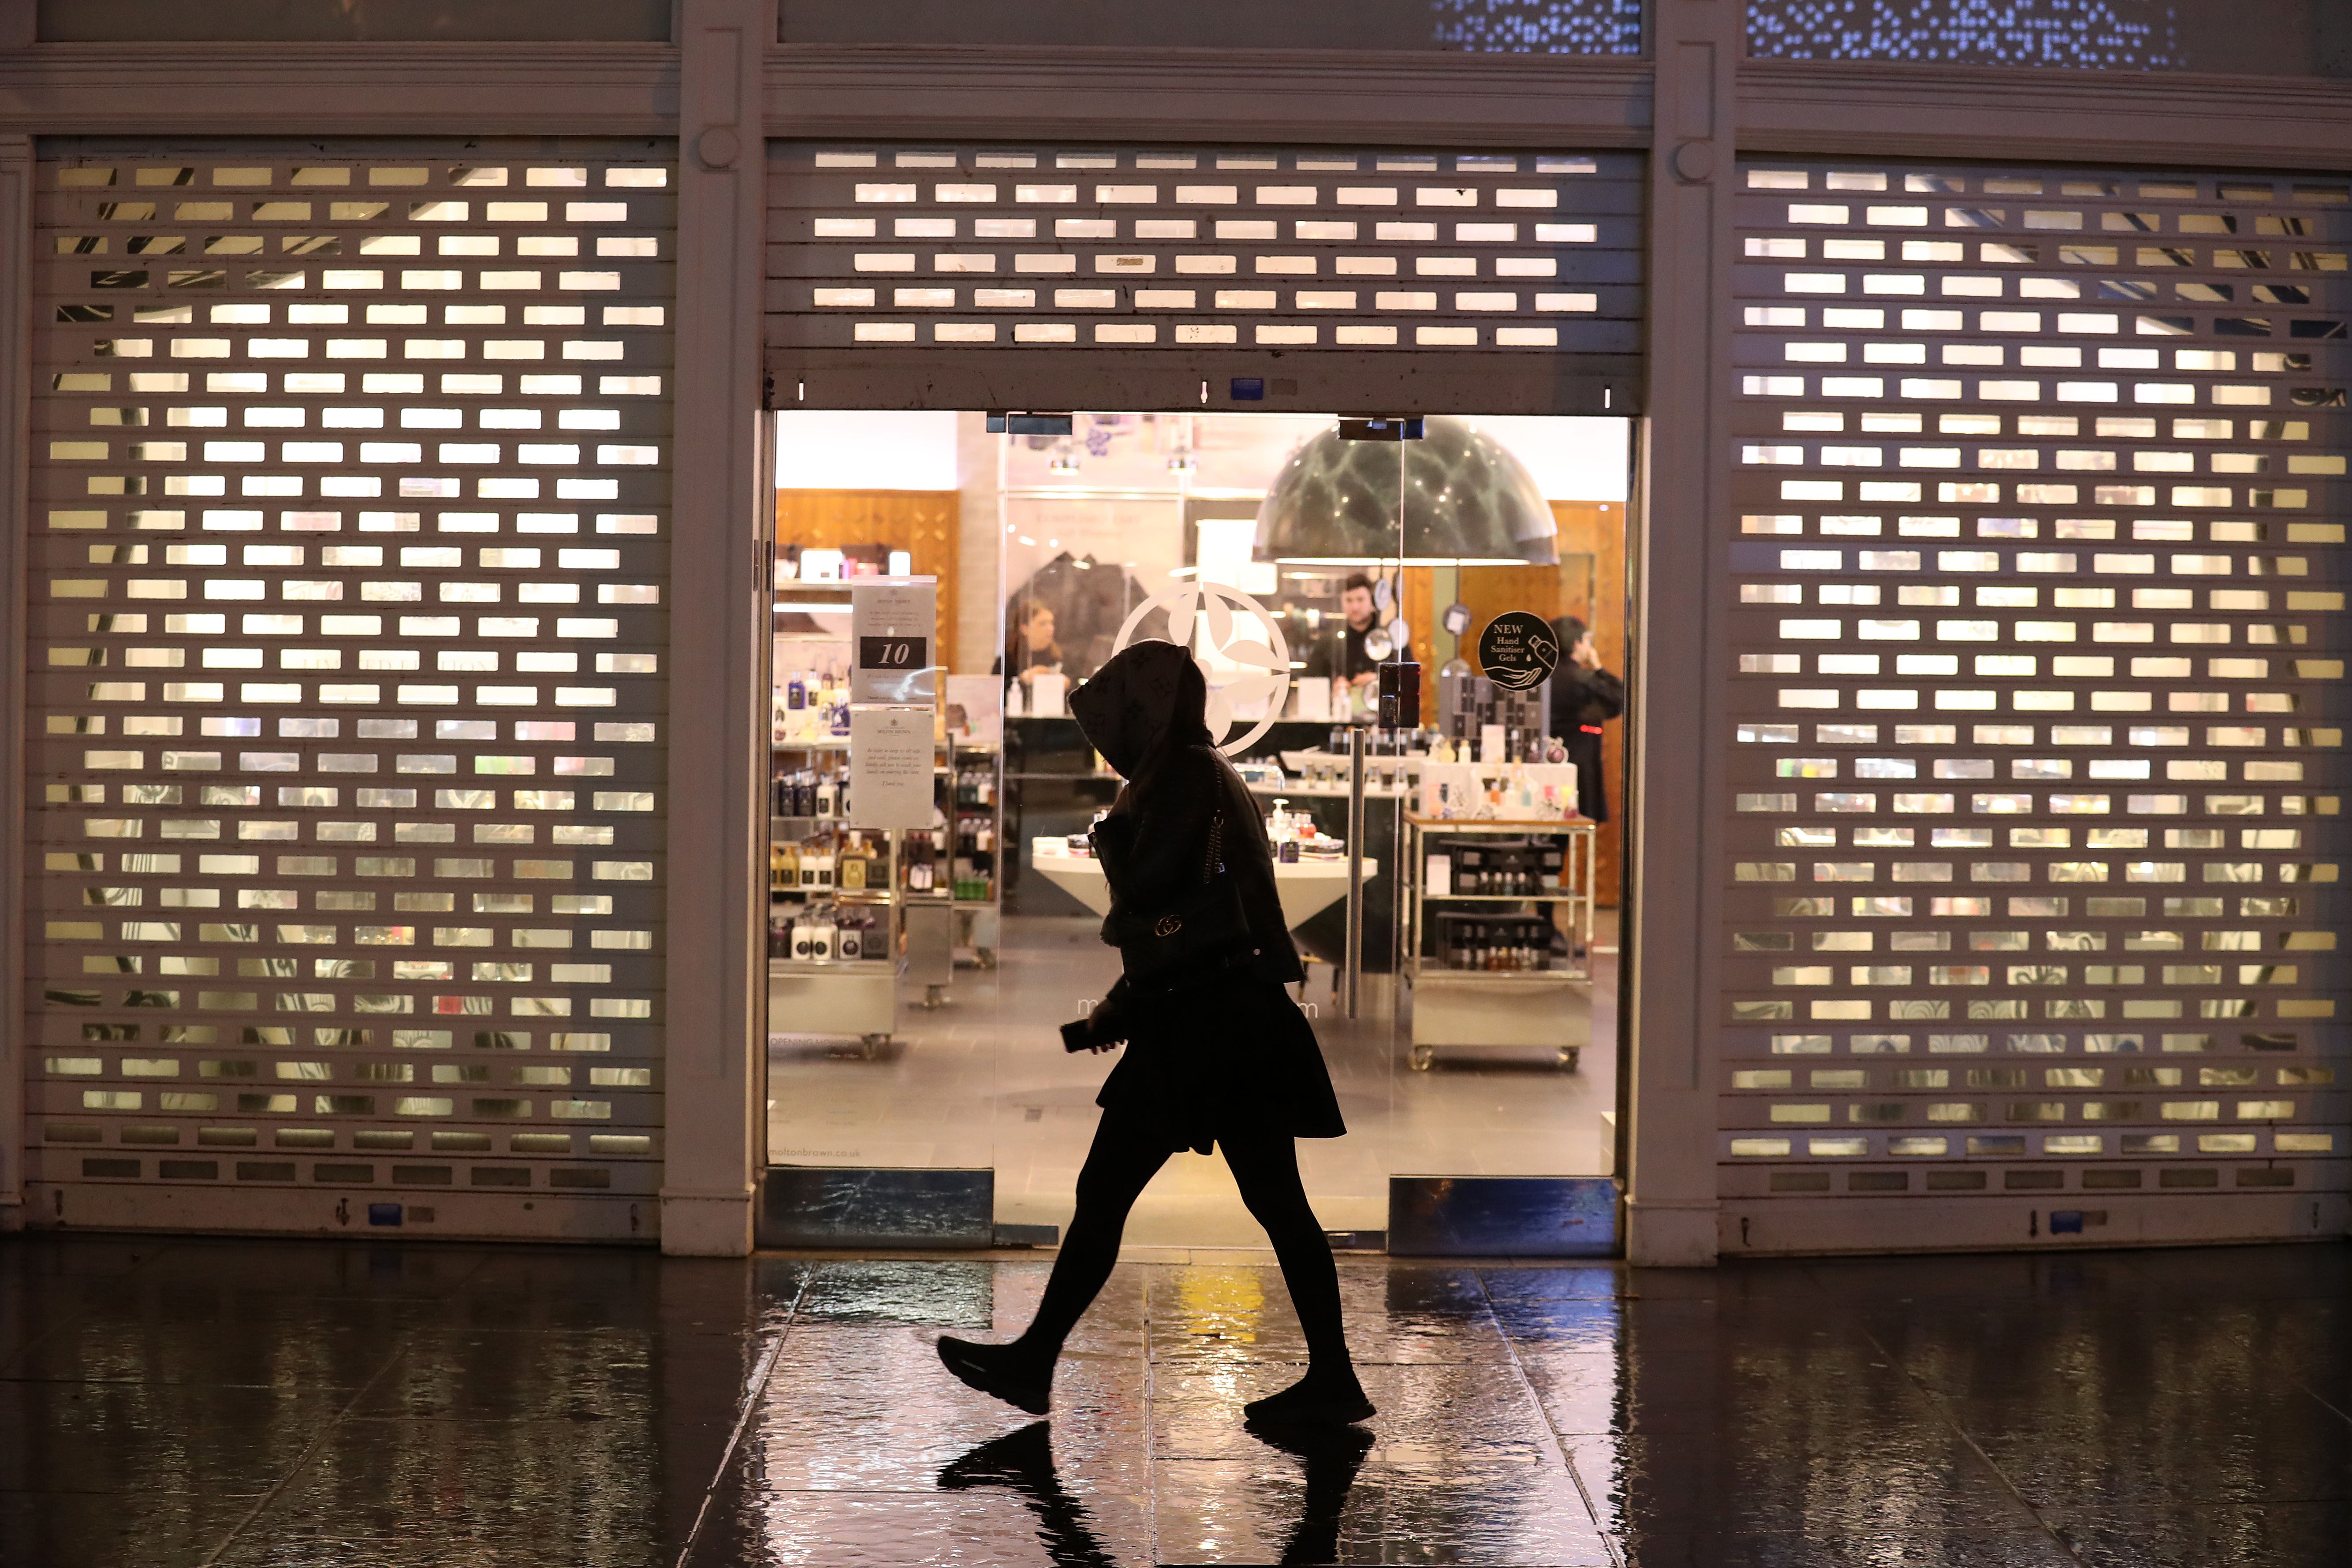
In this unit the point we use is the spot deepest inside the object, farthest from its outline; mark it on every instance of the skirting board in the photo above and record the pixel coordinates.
(855, 1207)
(1502, 1217)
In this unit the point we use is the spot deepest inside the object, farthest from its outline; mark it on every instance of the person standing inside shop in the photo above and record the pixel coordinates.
(1217, 1053)
(1034, 648)
(1343, 657)
(1584, 697)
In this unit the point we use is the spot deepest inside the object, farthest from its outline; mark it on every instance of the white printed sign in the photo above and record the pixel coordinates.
(890, 767)
(892, 621)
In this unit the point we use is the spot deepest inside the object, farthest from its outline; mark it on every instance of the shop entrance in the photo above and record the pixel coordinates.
(918, 976)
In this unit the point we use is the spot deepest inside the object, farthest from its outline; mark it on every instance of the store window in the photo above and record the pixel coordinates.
(2278, 37)
(1477, 26)
(1297, 561)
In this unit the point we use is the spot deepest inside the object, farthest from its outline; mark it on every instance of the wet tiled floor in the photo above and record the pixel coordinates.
(323, 1404)
(996, 1046)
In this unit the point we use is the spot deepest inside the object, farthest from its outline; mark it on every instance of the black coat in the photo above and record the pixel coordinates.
(1581, 701)
(1215, 1051)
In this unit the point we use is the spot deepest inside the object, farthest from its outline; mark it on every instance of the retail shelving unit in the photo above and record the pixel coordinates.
(1461, 1006)
(975, 796)
(833, 995)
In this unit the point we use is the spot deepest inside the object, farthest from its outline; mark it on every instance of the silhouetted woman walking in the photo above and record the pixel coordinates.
(1217, 1053)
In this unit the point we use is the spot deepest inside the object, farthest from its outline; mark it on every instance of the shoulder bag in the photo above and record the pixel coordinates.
(1204, 929)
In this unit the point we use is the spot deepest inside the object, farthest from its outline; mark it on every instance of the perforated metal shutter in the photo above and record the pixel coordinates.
(2033, 894)
(972, 276)
(348, 547)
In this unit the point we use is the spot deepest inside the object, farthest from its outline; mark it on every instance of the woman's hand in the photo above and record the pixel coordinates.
(1102, 1021)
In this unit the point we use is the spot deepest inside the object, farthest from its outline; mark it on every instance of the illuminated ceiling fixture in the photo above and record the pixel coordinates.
(1467, 501)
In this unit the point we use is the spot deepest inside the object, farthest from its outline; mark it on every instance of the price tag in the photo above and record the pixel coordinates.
(891, 620)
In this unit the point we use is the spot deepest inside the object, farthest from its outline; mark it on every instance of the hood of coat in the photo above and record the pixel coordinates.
(1149, 699)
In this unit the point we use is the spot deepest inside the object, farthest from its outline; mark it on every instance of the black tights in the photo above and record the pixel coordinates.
(1124, 1157)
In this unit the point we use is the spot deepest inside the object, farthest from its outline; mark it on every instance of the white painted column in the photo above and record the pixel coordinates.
(1678, 753)
(719, 614)
(16, 177)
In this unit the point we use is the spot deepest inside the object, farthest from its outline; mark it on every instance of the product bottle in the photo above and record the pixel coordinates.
(825, 797)
(852, 871)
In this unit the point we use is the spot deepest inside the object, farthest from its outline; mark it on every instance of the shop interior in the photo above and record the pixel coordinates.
(918, 978)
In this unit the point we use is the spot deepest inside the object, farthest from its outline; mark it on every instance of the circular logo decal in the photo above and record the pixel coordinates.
(1518, 650)
(1239, 645)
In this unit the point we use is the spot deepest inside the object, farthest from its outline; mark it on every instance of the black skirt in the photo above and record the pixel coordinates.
(1227, 1053)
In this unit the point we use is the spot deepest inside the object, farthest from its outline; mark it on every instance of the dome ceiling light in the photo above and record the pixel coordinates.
(1467, 501)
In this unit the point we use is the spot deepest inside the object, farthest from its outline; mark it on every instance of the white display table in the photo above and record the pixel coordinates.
(1306, 888)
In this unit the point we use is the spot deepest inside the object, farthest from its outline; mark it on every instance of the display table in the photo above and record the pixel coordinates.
(1307, 889)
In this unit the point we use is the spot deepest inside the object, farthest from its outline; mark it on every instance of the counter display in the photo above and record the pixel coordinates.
(1307, 886)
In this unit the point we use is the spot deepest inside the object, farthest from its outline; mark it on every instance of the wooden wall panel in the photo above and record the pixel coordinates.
(923, 523)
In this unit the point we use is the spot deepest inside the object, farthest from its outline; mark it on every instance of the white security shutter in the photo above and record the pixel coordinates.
(2033, 897)
(972, 276)
(348, 551)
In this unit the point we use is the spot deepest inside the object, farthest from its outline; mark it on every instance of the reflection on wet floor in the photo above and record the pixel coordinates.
(330, 1404)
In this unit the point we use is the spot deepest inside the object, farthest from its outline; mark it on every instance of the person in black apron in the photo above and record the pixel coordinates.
(1583, 697)
(1217, 1054)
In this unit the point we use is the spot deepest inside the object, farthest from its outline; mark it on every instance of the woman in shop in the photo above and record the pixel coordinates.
(1217, 1054)
(1583, 697)
(1034, 645)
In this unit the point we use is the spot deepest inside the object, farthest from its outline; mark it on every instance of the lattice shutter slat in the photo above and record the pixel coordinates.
(2035, 812)
(975, 262)
(348, 550)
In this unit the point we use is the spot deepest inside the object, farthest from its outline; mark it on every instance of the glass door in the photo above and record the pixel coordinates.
(883, 941)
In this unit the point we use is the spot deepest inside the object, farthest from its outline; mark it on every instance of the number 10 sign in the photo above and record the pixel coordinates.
(890, 624)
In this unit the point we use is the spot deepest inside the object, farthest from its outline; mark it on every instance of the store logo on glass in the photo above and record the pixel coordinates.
(1241, 650)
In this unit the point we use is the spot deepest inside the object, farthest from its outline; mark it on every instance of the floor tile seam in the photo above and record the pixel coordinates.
(1935, 1403)
(1550, 1438)
(310, 1452)
(753, 1398)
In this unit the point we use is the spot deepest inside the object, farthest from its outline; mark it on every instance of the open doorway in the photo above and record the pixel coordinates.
(1483, 1035)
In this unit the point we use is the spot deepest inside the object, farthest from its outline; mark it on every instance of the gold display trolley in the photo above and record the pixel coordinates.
(1461, 1007)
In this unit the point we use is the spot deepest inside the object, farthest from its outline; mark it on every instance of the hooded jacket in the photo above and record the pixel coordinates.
(1144, 711)
(1215, 1052)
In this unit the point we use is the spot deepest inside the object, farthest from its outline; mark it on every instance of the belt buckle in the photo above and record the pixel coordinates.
(1168, 925)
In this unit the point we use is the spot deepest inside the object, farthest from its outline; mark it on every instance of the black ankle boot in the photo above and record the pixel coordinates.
(1001, 1371)
(1313, 1401)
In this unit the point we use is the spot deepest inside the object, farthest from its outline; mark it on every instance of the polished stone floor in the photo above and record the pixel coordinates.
(318, 1404)
(984, 1081)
